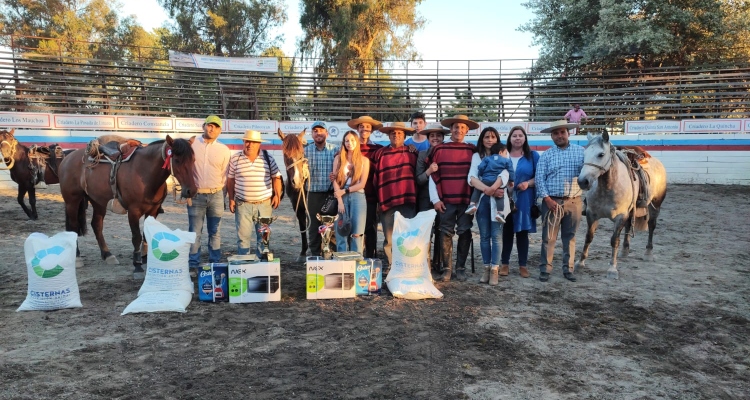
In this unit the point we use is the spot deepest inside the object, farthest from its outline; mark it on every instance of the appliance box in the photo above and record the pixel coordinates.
(330, 279)
(369, 278)
(252, 281)
(213, 282)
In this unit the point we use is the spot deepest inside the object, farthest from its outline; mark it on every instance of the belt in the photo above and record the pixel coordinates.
(559, 197)
(240, 201)
(209, 191)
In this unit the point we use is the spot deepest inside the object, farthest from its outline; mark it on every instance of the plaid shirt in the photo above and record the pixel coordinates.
(557, 172)
(321, 165)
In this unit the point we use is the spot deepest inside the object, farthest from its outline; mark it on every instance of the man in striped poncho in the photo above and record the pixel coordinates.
(450, 193)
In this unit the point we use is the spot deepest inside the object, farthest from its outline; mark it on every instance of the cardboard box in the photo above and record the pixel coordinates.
(330, 279)
(369, 277)
(347, 255)
(213, 283)
(251, 281)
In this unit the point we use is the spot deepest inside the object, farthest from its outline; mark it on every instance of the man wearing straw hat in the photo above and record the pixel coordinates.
(556, 184)
(364, 126)
(254, 188)
(210, 171)
(435, 134)
(451, 194)
(395, 167)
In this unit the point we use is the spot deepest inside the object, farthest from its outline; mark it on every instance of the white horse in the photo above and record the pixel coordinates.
(614, 186)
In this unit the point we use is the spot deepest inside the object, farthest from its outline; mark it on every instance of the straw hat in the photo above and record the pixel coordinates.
(365, 119)
(435, 127)
(253, 136)
(408, 130)
(462, 119)
(559, 124)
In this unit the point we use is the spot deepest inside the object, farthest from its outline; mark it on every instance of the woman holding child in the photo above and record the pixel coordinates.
(490, 229)
(351, 169)
(520, 222)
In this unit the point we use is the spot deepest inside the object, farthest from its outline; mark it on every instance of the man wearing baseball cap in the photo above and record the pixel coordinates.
(254, 189)
(319, 156)
(210, 171)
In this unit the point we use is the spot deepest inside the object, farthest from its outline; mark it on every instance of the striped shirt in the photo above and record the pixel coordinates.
(557, 172)
(252, 179)
(320, 163)
(394, 177)
(211, 162)
(454, 162)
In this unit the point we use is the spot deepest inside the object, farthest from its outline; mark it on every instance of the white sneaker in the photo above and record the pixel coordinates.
(472, 209)
(499, 218)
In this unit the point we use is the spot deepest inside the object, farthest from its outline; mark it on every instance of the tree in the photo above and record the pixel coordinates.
(224, 27)
(637, 33)
(356, 35)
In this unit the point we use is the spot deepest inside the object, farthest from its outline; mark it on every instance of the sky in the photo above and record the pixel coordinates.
(455, 30)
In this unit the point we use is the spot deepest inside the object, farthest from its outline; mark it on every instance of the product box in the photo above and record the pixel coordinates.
(252, 281)
(347, 255)
(369, 277)
(330, 279)
(213, 282)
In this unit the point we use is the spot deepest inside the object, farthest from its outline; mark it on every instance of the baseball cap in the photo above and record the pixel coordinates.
(213, 119)
(320, 124)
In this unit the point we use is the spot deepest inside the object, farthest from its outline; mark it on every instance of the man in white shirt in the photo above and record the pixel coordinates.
(210, 171)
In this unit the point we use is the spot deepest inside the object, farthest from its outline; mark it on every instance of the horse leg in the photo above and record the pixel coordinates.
(97, 224)
(612, 272)
(137, 238)
(652, 216)
(21, 194)
(32, 203)
(75, 220)
(302, 220)
(592, 225)
(626, 243)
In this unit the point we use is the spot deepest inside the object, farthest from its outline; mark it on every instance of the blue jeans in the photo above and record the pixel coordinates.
(243, 221)
(210, 207)
(355, 205)
(490, 233)
(388, 219)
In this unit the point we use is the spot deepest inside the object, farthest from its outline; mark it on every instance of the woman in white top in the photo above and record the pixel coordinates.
(351, 169)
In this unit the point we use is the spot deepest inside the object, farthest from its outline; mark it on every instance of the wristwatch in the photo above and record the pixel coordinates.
(346, 191)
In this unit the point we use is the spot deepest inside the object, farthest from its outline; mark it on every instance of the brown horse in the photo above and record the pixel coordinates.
(140, 185)
(298, 176)
(27, 168)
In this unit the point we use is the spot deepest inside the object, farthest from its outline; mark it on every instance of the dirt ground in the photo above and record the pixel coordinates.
(674, 328)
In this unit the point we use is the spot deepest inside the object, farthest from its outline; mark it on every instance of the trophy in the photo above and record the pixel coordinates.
(265, 235)
(326, 232)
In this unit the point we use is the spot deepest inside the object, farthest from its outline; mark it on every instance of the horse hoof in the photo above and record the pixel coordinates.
(613, 274)
(79, 262)
(579, 266)
(139, 276)
(648, 257)
(111, 260)
(624, 253)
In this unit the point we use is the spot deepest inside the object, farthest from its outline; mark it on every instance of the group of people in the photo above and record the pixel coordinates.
(418, 170)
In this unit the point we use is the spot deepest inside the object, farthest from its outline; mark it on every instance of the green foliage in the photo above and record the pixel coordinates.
(592, 34)
(232, 28)
(478, 108)
(356, 35)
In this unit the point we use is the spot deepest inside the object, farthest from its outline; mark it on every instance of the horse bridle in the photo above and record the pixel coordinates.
(12, 144)
(611, 157)
(292, 165)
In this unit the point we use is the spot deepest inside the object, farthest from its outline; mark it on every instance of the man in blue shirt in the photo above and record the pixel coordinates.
(319, 156)
(557, 185)
(419, 140)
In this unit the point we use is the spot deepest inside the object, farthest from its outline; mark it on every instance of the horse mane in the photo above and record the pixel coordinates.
(292, 147)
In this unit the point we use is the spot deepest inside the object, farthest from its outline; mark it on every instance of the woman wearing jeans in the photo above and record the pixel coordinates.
(490, 231)
(351, 169)
(520, 222)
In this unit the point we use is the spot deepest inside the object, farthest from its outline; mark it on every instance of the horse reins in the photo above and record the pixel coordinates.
(12, 144)
(166, 155)
(302, 196)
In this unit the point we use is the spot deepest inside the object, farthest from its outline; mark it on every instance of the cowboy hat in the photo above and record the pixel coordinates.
(559, 124)
(398, 126)
(365, 119)
(253, 136)
(435, 127)
(213, 119)
(460, 118)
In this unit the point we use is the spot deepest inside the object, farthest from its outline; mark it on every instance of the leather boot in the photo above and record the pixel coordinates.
(504, 270)
(494, 276)
(446, 257)
(485, 275)
(462, 252)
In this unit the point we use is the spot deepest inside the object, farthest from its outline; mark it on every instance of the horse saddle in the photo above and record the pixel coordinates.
(638, 158)
(112, 151)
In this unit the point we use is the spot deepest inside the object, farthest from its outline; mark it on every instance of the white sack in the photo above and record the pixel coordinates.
(410, 277)
(168, 300)
(168, 263)
(51, 266)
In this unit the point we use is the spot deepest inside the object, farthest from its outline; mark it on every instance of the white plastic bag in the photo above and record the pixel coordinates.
(168, 300)
(51, 266)
(168, 262)
(410, 276)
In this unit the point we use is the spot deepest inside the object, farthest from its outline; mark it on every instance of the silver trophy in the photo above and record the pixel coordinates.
(326, 233)
(265, 235)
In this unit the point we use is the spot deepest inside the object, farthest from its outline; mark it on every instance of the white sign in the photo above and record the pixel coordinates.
(84, 121)
(294, 127)
(747, 126)
(257, 64)
(502, 127)
(711, 125)
(535, 128)
(25, 120)
(189, 124)
(640, 127)
(145, 124)
(241, 125)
